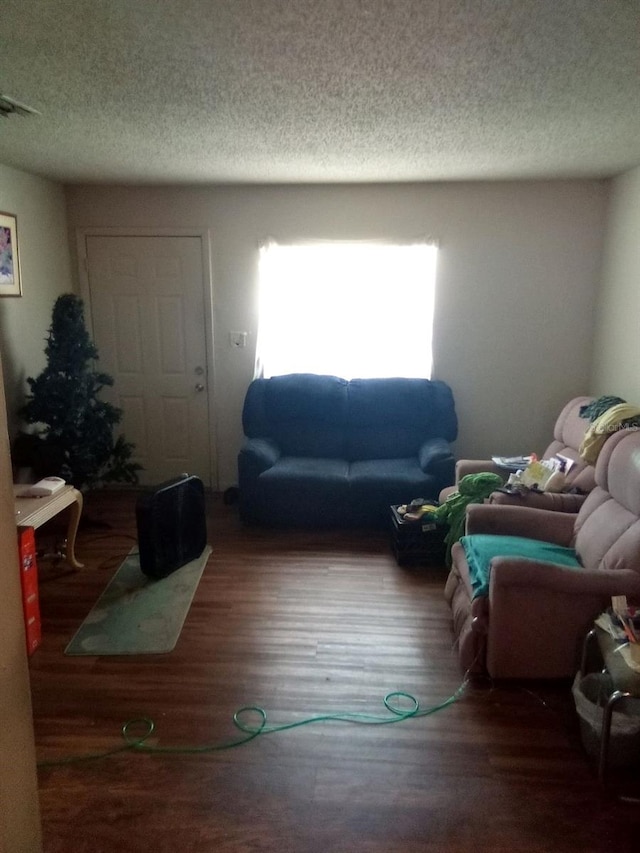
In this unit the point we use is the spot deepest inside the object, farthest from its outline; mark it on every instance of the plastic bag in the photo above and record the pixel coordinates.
(590, 694)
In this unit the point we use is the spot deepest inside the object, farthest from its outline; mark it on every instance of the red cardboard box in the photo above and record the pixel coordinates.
(29, 583)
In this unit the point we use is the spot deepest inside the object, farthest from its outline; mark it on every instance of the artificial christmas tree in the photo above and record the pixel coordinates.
(75, 429)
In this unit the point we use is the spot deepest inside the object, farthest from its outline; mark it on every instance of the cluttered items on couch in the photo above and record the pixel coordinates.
(417, 510)
(607, 415)
(568, 433)
(622, 622)
(541, 475)
(513, 463)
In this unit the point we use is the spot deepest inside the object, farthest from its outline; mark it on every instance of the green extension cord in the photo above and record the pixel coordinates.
(138, 743)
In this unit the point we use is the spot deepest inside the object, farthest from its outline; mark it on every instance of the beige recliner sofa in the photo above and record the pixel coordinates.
(568, 434)
(526, 617)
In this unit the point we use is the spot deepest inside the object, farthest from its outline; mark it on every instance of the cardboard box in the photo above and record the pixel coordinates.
(32, 626)
(29, 584)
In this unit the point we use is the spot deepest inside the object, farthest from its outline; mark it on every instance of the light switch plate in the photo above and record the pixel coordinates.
(238, 339)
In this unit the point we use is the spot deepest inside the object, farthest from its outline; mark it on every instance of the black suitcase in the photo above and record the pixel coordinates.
(172, 526)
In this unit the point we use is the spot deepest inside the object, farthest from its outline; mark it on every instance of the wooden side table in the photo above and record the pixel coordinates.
(34, 512)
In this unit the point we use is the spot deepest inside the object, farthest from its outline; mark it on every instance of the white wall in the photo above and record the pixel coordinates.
(616, 368)
(45, 261)
(518, 272)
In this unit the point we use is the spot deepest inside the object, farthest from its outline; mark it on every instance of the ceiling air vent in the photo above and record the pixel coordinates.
(11, 107)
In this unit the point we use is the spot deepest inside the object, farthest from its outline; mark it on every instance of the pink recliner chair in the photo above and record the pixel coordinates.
(529, 616)
(568, 433)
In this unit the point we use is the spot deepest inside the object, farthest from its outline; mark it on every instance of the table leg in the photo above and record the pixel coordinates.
(605, 735)
(587, 645)
(75, 510)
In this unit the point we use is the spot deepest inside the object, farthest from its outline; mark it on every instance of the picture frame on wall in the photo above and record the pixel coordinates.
(10, 278)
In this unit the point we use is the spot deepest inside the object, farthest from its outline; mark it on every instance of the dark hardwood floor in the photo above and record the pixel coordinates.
(301, 624)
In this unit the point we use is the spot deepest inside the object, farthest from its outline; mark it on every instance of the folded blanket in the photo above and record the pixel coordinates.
(481, 548)
(617, 417)
(598, 407)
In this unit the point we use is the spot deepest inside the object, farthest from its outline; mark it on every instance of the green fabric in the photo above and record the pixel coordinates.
(598, 407)
(472, 488)
(481, 548)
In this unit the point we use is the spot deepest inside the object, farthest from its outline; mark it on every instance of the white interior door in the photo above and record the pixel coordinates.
(148, 317)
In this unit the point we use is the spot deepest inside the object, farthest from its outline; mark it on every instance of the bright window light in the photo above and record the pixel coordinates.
(346, 309)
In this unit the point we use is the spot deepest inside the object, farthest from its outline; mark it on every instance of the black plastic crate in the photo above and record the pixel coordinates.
(419, 541)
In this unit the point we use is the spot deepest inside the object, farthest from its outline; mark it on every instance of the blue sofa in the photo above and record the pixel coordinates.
(321, 451)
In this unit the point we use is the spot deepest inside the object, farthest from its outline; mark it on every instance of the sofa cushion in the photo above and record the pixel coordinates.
(568, 434)
(607, 534)
(570, 426)
(407, 474)
(607, 530)
(307, 472)
(391, 418)
(618, 471)
(306, 414)
(376, 484)
(304, 490)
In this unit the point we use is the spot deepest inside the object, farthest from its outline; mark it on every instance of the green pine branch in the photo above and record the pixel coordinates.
(74, 436)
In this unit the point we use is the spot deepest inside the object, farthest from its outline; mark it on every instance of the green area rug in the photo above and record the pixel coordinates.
(136, 615)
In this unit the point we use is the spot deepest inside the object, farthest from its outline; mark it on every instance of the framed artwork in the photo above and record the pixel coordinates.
(10, 281)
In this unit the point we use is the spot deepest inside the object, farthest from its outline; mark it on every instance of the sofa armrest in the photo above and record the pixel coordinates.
(257, 455)
(556, 501)
(436, 458)
(534, 577)
(540, 613)
(546, 525)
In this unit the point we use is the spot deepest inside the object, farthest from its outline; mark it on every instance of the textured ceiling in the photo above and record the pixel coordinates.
(259, 91)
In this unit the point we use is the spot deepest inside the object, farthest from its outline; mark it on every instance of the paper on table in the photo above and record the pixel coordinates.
(605, 622)
(631, 654)
(43, 488)
(512, 461)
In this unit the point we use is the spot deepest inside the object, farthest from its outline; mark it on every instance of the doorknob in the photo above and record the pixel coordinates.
(199, 387)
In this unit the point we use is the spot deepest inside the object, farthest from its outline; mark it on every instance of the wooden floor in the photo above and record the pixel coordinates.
(301, 624)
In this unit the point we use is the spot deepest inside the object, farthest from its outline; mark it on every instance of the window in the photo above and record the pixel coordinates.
(346, 309)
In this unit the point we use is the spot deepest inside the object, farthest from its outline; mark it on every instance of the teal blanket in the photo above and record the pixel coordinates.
(481, 548)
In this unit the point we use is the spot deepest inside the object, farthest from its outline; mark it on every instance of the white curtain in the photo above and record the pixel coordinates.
(350, 309)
